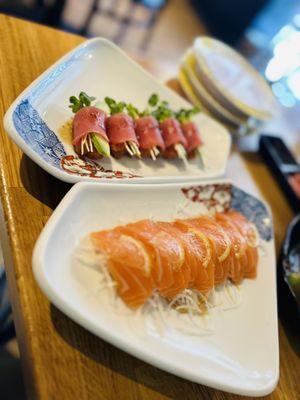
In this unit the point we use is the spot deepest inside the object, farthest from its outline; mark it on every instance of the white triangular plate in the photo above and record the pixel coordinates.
(100, 68)
(240, 353)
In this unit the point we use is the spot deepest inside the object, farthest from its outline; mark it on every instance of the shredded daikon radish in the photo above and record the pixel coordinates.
(134, 148)
(128, 148)
(82, 146)
(200, 157)
(226, 296)
(87, 143)
(181, 153)
(152, 155)
(156, 151)
(90, 143)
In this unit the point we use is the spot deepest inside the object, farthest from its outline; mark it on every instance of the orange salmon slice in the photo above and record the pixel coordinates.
(198, 252)
(249, 232)
(238, 256)
(128, 263)
(220, 243)
(166, 252)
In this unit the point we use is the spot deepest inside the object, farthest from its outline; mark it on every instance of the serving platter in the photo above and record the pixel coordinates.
(35, 119)
(239, 351)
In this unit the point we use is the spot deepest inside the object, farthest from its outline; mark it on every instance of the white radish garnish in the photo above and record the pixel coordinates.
(200, 157)
(152, 154)
(128, 148)
(180, 150)
(155, 150)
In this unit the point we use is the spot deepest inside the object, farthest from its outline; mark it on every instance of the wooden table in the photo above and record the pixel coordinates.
(60, 359)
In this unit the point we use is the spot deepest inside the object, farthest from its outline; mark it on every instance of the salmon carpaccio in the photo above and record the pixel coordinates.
(169, 257)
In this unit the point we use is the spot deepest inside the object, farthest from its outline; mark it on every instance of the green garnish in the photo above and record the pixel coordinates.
(185, 115)
(161, 113)
(132, 111)
(164, 103)
(114, 107)
(101, 145)
(83, 100)
(159, 109)
(153, 100)
(146, 112)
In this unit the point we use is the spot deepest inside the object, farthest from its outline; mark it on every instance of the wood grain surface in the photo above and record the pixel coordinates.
(60, 359)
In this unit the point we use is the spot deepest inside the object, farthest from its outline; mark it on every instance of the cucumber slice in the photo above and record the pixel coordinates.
(101, 145)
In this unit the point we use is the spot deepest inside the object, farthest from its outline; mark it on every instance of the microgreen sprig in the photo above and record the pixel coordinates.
(114, 107)
(159, 109)
(83, 100)
(132, 111)
(153, 100)
(185, 115)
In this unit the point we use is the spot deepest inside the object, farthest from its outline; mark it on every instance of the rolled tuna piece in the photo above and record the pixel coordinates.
(149, 136)
(193, 138)
(121, 134)
(89, 122)
(172, 136)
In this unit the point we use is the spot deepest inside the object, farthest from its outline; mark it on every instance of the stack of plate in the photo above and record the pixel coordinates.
(221, 82)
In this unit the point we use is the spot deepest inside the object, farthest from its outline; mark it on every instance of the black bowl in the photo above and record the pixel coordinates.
(288, 287)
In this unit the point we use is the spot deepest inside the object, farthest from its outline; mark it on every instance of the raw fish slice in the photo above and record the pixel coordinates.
(172, 133)
(129, 287)
(148, 133)
(220, 245)
(120, 129)
(198, 256)
(88, 120)
(248, 230)
(173, 137)
(192, 135)
(128, 263)
(238, 256)
(144, 231)
(166, 252)
(252, 254)
(181, 275)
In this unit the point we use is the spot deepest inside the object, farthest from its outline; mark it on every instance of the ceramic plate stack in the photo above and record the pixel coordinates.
(217, 79)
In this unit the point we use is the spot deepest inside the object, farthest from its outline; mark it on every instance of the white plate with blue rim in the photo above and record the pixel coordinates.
(35, 119)
(232, 348)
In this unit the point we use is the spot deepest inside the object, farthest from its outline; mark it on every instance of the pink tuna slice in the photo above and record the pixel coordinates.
(120, 129)
(148, 133)
(172, 133)
(192, 135)
(88, 120)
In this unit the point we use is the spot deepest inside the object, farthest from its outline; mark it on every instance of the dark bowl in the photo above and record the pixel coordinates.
(289, 289)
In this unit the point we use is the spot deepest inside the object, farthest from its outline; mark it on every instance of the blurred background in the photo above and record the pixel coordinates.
(267, 32)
